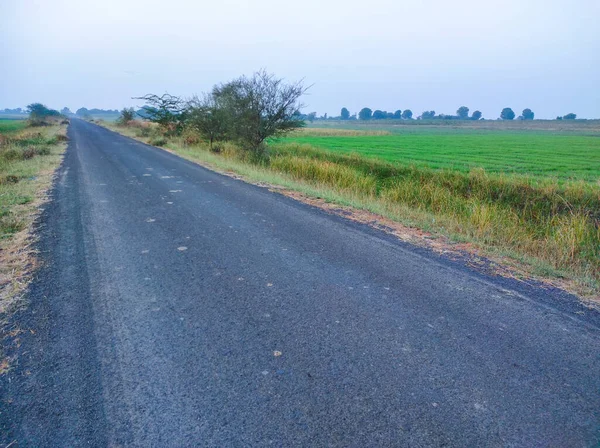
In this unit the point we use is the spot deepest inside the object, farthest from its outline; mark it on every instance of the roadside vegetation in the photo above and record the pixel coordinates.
(529, 197)
(30, 151)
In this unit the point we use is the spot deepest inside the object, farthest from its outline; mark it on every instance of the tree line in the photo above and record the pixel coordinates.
(246, 110)
(462, 113)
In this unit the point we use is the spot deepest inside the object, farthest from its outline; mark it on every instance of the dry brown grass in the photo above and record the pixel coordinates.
(20, 203)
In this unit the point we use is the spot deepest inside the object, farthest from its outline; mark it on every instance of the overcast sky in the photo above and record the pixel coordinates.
(385, 54)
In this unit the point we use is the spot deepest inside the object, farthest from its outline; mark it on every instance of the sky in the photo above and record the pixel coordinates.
(385, 54)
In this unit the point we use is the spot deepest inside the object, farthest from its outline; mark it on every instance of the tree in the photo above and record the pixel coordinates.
(39, 114)
(82, 112)
(38, 110)
(345, 114)
(379, 115)
(476, 115)
(260, 107)
(463, 113)
(507, 114)
(527, 114)
(398, 114)
(207, 117)
(407, 114)
(166, 110)
(365, 114)
(428, 115)
(570, 116)
(127, 115)
(66, 111)
(311, 116)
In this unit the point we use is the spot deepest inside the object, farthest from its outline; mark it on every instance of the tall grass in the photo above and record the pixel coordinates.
(556, 224)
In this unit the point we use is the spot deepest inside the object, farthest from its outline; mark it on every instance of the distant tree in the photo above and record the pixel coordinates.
(165, 110)
(82, 111)
(527, 114)
(16, 111)
(463, 112)
(365, 114)
(378, 115)
(476, 115)
(398, 114)
(311, 116)
(570, 116)
(559, 118)
(345, 114)
(39, 113)
(507, 114)
(407, 114)
(66, 111)
(428, 115)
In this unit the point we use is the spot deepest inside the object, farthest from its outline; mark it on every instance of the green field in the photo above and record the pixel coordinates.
(548, 154)
(10, 125)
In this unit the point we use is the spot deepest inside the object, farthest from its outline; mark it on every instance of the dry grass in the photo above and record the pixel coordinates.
(29, 159)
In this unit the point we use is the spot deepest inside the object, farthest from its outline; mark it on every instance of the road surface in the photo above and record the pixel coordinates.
(180, 307)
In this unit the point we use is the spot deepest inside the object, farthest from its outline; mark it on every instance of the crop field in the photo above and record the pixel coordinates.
(563, 155)
(10, 125)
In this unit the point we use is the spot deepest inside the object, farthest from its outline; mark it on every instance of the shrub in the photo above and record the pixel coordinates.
(191, 138)
(158, 141)
(9, 179)
(127, 115)
(28, 153)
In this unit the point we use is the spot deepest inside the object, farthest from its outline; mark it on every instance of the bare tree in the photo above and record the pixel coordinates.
(260, 107)
(166, 110)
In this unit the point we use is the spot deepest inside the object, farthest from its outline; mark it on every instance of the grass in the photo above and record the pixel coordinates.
(28, 159)
(548, 223)
(9, 126)
(563, 156)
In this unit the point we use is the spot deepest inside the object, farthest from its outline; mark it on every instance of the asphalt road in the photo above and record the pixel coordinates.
(179, 307)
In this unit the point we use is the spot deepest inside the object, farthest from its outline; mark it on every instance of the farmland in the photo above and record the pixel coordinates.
(10, 126)
(561, 155)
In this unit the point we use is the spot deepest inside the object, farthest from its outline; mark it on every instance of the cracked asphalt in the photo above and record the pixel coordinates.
(180, 307)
